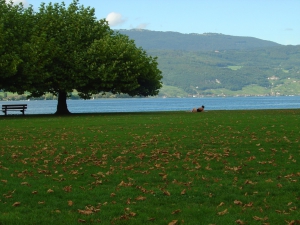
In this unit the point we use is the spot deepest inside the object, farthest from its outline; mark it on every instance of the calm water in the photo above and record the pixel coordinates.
(161, 104)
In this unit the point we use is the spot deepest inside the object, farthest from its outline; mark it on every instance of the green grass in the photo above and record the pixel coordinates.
(217, 167)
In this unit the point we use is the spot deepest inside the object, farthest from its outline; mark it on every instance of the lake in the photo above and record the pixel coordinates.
(161, 104)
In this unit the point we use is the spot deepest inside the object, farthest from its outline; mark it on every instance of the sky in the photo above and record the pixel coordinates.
(272, 20)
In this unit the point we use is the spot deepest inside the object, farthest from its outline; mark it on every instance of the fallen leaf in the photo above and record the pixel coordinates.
(176, 211)
(81, 221)
(250, 204)
(240, 222)
(223, 212)
(259, 218)
(222, 203)
(16, 204)
(70, 203)
(67, 188)
(174, 222)
(132, 214)
(50, 191)
(237, 202)
(167, 193)
(183, 192)
(140, 198)
(85, 212)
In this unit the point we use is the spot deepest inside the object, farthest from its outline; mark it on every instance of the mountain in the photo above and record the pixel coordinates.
(193, 42)
(221, 65)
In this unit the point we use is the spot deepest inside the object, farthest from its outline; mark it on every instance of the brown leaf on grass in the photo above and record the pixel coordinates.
(250, 204)
(204, 178)
(41, 202)
(250, 182)
(237, 202)
(208, 167)
(124, 184)
(67, 188)
(279, 185)
(176, 211)
(85, 212)
(140, 198)
(293, 222)
(223, 212)
(222, 203)
(240, 222)
(132, 214)
(174, 222)
(34, 192)
(166, 192)
(50, 191)
(251, 158)
(81, 221)
(183, 192)
(112, 195)
(261, 219)
(16, 204)
(4, 181)
(25, 183)
(198, 166)
(70, 203)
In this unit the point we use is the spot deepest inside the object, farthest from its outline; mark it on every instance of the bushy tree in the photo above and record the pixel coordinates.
(67, 48)
(15, 28)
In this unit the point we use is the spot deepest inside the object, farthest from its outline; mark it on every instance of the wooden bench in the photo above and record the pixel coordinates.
(19, 107)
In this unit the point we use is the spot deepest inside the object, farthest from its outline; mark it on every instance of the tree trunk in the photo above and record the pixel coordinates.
(62, 108)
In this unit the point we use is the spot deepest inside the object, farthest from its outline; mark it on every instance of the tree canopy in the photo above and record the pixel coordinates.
(59, 49)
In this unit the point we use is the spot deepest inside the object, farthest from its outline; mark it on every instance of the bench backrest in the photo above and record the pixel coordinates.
(16, 106)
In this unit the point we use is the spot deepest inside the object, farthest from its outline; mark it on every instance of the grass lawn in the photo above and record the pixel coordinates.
(216, 167)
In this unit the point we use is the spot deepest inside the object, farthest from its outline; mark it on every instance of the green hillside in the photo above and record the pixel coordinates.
(193, 42)
(216, 64)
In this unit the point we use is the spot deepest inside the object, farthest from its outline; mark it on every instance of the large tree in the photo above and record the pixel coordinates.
(67, 48)
(15, 29)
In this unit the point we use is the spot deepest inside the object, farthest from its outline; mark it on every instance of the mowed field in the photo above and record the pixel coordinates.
(215, 167)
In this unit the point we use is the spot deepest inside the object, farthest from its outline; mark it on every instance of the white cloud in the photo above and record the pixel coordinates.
(142, 26)
(115, 19)
(18, 1)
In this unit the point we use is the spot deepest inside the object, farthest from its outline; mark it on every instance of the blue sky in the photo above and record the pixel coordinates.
(273, 20)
